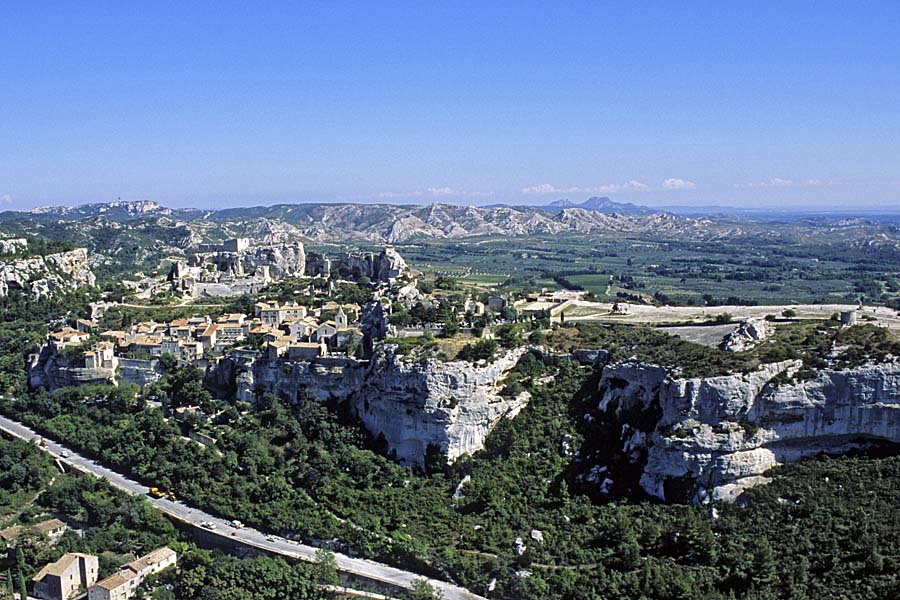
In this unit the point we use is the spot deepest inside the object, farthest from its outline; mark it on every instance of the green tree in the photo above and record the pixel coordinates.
(422, 590)
(324, 570)
(763, 571)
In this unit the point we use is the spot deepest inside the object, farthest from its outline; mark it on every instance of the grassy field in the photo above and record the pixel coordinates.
(753, 271)
(592, 282)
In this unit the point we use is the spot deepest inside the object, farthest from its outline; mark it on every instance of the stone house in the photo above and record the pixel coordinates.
(124, 583)
(52, 529)
(305, 350)
(62, 579)
(102, 356)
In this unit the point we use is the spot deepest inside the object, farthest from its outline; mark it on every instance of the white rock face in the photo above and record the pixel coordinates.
(44, 275)
(13, 245)
(722, 433)
(413, 403)
(452, 405)
(746, 335)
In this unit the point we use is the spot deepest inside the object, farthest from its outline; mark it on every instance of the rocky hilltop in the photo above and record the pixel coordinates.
(385, 266)
(42, 276)
(716, 436)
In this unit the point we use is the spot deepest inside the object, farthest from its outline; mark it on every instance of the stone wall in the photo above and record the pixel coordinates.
(139, 372)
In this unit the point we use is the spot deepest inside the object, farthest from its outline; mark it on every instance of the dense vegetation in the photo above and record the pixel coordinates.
(117, 527)
(296, 469)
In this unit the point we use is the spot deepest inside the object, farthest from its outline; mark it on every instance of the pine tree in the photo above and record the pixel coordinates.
(764, 571)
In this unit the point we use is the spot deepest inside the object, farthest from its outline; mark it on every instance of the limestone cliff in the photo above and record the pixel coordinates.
(452, 405)
(385, 266)
(718, 435)
(281, 260)
(42, 276)
(415, 404)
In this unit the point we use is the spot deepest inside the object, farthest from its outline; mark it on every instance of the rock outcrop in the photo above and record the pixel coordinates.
(280, 260)
(13, 245)
(746, 335)
(42, 276)
(418, 406)
(385, 266)
(448, 405)
(716, 436)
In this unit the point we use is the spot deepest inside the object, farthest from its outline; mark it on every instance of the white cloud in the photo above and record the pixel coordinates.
(5, 200)
(547, 189)
(637, 186)
(673, 183)
(442, 191)
(774, 182)
(433, 192)
(393, 195)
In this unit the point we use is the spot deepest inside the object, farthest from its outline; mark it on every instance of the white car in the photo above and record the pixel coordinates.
(210, 525)
(64, 454)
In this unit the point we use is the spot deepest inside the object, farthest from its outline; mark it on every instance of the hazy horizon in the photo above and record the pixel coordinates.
(216, 105)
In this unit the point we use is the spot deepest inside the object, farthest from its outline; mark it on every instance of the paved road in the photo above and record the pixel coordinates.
(195, 517)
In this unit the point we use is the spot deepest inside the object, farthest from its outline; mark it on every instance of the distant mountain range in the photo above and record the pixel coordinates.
(140, 234)
(384, 223)
(379, 222)
(594, 204)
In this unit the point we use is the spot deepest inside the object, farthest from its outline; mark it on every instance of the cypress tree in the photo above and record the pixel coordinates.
(20, 567)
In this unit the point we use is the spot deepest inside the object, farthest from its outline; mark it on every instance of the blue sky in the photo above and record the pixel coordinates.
(221, 104)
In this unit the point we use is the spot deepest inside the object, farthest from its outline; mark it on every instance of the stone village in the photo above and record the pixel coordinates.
(312, 344)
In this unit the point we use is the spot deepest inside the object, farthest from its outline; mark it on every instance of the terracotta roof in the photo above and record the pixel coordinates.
(117, 580)
(66, 332)
(11, 533)
(59, 567)
(49, 525)
(154, 558)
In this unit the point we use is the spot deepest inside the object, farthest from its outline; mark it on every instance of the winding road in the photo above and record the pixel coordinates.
(358, 567)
